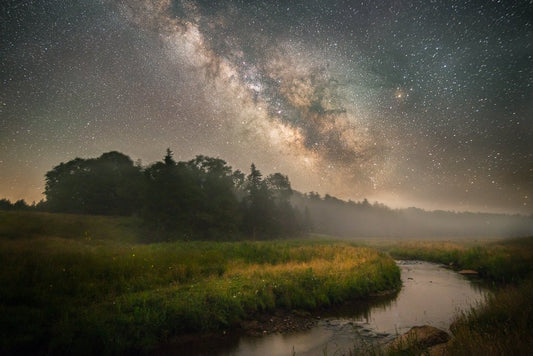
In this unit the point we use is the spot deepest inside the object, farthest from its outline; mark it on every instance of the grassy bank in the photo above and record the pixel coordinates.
(503, 324)
(74, 284)
(500, 261)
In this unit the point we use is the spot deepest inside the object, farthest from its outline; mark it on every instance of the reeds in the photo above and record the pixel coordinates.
(503, 325)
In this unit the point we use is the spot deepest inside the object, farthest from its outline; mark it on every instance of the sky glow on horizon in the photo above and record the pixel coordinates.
(419, 103)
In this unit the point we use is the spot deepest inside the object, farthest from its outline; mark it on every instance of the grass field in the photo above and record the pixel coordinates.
(84, 285)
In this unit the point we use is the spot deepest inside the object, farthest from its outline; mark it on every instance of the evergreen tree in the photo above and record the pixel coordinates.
(201, 198)
(258, 205)
(218, 210)
(285, 215)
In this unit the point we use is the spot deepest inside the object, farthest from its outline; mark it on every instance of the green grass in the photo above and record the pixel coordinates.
(18, 224)
(81, 284)
(503, 324)
(500, 261)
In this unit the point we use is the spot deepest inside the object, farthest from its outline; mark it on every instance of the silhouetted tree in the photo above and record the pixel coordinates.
(5, 204)
(258, 206)
(116, 184)
(284, 215)
(191, 199)
(21, 205)
(169, 196)
(201, 198)
(280, 186)
(64, 186)
(218, 211)
(108, 185)
(168, 159)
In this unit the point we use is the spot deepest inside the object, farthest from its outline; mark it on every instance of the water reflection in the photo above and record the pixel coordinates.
(430, 295)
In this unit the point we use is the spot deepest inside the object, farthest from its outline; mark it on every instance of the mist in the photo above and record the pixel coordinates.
(332, 216)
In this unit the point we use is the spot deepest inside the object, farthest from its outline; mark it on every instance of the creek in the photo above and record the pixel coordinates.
(430, 295)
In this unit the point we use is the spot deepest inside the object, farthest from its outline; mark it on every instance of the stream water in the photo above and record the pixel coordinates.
(431, 295)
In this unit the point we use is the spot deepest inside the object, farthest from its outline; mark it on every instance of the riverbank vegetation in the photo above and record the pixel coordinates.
(71, 285)
(503, 323)
(499, 261)
(92, 284)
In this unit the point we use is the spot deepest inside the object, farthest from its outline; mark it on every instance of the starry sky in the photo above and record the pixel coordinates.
(409, 103)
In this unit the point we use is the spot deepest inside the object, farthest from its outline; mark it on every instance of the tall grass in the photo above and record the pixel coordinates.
(503, 261)
(86, 294)
(503, 325)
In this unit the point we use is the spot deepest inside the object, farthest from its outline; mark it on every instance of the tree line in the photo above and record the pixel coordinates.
(201, 198)
(21, 205)
(204, 198)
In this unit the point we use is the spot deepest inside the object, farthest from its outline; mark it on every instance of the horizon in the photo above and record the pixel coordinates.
(410, 105)
(322, 195)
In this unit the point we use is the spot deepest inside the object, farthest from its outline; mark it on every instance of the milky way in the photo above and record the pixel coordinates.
(408, 103)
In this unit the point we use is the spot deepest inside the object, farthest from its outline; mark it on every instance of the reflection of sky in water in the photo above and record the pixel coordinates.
(430, 295)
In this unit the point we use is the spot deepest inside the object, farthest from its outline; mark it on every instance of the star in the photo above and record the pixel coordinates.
(408, 102)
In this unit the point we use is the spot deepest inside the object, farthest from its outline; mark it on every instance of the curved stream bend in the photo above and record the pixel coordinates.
(431, 295)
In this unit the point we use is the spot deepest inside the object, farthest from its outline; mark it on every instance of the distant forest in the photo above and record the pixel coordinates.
(205, 199)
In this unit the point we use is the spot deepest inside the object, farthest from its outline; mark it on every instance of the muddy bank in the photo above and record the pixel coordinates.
(278, 322)
(263, 324)
(281, 322)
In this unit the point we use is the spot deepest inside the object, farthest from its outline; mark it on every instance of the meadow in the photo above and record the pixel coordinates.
(88, 285)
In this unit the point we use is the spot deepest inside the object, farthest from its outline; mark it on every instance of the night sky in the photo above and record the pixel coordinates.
(410, 103)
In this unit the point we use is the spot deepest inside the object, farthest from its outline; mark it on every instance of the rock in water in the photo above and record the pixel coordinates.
(420, 337)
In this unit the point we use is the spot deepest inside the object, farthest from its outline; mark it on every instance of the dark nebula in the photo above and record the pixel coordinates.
(426, 103)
